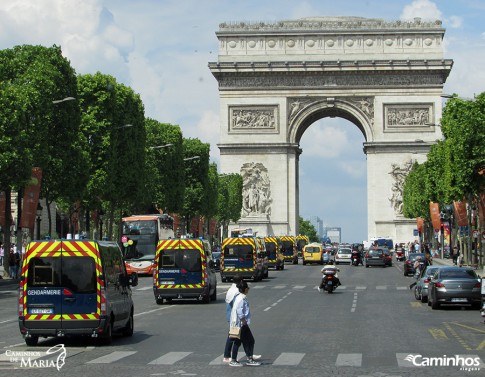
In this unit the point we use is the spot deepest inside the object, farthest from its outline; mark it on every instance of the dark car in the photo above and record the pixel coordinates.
(376, 257)
(216, 257)
(387, 257)
(421, 287)
(408, 266)
(454, 286)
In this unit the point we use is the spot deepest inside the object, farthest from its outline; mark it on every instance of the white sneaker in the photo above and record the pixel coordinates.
(226, 360)
(256, 357)
(319, 290)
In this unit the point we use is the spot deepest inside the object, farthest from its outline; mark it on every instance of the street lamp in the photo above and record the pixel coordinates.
(39, 214)
(63, 100)
(160, 146)
(191, 158)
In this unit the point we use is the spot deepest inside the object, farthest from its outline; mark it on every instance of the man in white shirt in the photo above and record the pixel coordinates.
(231, 294)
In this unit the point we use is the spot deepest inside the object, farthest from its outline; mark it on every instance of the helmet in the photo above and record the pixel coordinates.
(419, 258)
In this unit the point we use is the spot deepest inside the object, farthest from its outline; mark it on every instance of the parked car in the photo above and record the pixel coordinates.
(375, 257)
(408, 266)
(454, 286)
(421, 287)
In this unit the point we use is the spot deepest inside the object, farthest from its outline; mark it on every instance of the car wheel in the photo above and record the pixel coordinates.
(429, 301)
(435, 305)
(214, 295)
(366, 266)
(416, 293)
(128, 330)
(32, 341)
(304, 263)
(424, 298)
(405, 273)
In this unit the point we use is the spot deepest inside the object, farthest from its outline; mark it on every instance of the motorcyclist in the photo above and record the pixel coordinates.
(358, 254)
(326, 271)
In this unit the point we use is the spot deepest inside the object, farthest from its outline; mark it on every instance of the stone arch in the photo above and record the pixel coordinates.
(276, 79)
(345, 108)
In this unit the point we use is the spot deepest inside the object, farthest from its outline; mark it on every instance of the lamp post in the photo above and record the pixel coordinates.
(160, 146)
(55, 102)
(191, 158)
(39, 214)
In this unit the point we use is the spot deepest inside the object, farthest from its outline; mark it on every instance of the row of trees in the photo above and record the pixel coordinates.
(454, 170)
(98, 152)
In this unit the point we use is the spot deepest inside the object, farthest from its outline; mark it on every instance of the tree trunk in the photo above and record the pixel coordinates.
(7, 233)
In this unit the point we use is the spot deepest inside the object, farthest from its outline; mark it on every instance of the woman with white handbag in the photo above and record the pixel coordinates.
(241, 318)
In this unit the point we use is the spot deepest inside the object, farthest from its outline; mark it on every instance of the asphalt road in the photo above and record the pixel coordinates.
(367, 327)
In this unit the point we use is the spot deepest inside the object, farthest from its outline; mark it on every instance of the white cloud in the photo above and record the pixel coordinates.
(326, 142)
(208, 127)
(356, 169)
(454, 21)
(425, 9)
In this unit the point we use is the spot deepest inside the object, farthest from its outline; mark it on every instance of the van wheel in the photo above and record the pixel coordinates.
(31, 341)
(223, 280)
(128, 330)
(214, 295)
(159, 301)
(107, 338)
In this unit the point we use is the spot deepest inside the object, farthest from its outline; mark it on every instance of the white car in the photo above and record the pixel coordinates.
(343, 255)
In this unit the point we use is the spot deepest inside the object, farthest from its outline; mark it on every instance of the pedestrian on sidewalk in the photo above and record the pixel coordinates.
(456, 254)
(241, 317)
(231, 294)
(12, 264)
(1, 254)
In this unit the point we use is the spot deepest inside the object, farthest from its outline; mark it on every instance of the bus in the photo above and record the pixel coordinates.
(139, 238)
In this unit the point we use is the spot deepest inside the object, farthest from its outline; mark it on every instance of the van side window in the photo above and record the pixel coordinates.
(168, 258)
(44, 272)
(111, 263)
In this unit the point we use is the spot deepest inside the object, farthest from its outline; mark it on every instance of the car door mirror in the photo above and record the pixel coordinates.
(133, 279)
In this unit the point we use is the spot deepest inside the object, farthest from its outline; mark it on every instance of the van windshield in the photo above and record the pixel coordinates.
(188, 259)
(78, 274)
(238, 251)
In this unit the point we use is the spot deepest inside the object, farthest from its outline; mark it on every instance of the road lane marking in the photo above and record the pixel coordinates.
(299, 287)
(438, 334)
(481, 346)
(415, 304)
(468, 327)
(153, 310)
(402, 362)
(144, 288)
(287, 358)
(349, 360)
(360, 288)
(457, 337)
(279, 287)
(402, 288)
(170, 358)
(112, 357)
(258, 286)
(9, 320)
(381, 287)
(354, 302)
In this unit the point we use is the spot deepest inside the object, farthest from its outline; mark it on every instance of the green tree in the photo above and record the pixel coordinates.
(307, 229)
(113, 128)
(31, 78)
(229, 203)
(165, 166)
(210, 211)
(196, 158)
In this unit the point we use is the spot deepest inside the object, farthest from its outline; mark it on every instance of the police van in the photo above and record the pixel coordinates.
(273, 251)
(184, 269)
(74, 288)
(239, 256)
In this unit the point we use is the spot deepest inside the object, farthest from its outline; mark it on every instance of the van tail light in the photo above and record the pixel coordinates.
(439, 285)
(427, 280)
(103, 301)
(21, 302)
(67, 292)
(477, 287)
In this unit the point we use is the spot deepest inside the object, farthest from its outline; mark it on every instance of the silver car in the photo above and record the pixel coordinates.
(343, 255)
(454, 286)
(422, 280)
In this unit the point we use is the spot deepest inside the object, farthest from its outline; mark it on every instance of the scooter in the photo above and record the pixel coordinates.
(330, 282)
(400, 255)
(357, 259)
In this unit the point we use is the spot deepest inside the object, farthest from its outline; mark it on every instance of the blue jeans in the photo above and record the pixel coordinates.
(13, 272)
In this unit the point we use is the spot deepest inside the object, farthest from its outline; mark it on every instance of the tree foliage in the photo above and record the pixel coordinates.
(229, 203)
(164, 166)
(307, 229)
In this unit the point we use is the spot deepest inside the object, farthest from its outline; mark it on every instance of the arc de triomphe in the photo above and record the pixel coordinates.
(276, 79)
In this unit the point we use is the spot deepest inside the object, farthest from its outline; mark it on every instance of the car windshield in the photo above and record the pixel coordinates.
(345, 251)
(311, 249)
(458, 274)
(375, 252)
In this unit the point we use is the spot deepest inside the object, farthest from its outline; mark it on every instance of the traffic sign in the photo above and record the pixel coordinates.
(415, 232)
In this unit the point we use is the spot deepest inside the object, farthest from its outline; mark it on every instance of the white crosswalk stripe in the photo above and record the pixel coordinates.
(170, 358)
(349, 360)
(112, 357)
(287, 358)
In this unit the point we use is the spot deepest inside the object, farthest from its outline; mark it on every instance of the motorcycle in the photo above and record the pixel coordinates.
(400, 255)
(330, 282)
(357, 259)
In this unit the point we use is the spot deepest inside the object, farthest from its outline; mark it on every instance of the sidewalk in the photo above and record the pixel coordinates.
(7, 283)
(449, 262)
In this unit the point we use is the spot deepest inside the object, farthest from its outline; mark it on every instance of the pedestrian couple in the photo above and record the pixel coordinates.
(238, 314)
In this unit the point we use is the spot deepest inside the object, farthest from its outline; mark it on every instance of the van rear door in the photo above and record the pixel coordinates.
(239, 254)
(79, 280)
(180, 264)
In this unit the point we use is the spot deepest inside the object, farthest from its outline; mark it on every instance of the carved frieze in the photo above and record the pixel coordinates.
(399, 117)
(334, 80)
(256, 190)
(248, 119)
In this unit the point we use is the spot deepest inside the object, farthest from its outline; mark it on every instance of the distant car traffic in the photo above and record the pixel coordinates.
(376, 257)
(421, 287)
(408, 267)
(343, 255)
(454, 286)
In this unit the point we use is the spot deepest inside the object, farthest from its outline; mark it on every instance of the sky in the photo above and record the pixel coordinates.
(161, 49)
